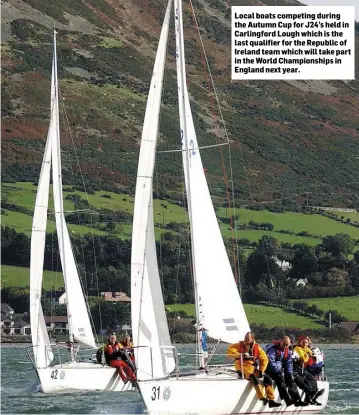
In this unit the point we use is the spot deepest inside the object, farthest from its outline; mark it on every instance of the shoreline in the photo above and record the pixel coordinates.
(340, 345)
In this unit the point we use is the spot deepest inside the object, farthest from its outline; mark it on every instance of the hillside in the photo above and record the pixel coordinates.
(273, 316)
(288, 227)
(289, 140)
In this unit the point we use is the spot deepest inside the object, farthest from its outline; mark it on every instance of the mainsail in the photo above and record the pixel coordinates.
(213, 274)
(154, 357)
(78, 315)
(40, 339)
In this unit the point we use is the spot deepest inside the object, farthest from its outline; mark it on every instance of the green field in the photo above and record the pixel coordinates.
(24, 193)
(22, 223)
(346, 306)
(354, 216)
(262, 314)
(20, 277)
(296, 222)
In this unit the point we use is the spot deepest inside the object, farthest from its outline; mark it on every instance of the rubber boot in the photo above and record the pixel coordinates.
(274, 404)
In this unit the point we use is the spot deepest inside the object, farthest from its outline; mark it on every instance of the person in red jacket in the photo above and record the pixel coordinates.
(116, 357)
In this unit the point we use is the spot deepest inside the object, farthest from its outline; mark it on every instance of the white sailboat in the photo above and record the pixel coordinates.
(219, 309)
(56, 375)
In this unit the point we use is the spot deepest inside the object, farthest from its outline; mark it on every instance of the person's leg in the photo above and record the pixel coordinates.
(129, 372)
(268, 385)
(118, 364)
(249, 374)
(293, 390)
(283, 393)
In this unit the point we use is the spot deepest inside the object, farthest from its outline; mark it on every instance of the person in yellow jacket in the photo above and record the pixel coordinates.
(250, 354)
(305, 380)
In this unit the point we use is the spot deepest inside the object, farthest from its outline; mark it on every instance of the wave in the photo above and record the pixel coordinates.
(133, 408)
(344, 390)
(9, 391)
(343, 409)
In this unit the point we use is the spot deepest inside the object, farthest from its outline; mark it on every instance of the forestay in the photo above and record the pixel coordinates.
(219, 304)
(78, 315)
(149, 323)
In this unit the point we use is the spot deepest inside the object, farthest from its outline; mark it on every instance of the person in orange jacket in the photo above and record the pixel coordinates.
(116, 357)
(248, 354)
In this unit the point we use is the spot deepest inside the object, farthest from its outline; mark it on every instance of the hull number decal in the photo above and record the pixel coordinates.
(155, 393)
(54, 374)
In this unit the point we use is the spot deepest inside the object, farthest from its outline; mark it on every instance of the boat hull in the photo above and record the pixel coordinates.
(215, 395)
(81, 376)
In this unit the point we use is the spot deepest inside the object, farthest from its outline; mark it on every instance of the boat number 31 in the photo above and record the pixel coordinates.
(156, 393)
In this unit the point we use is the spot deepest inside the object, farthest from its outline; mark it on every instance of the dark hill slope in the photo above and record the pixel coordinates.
(287, 137)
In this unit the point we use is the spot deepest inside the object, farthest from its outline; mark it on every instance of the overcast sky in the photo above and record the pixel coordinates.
(335, 3)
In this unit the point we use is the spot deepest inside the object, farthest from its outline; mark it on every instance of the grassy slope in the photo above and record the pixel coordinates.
(22, 223)
(20, 277)
(24, 194)
(297, 222)
(261, 314)
(354, 216)
(346, 306)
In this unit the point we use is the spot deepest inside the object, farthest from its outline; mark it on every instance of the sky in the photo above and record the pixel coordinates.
(335, 3)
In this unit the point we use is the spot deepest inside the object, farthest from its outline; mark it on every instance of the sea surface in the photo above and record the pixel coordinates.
(20, 395)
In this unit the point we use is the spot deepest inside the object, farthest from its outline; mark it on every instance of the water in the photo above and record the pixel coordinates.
(19, 387)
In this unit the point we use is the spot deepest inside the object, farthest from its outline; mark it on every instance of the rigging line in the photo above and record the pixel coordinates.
(160, 241)
(164, 79)
(195, 148)
(182, 235)
(211, 84)
(92, 234)
(68, 130)
(209, 73)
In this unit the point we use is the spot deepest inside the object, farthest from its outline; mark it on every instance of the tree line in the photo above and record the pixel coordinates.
(104, 264)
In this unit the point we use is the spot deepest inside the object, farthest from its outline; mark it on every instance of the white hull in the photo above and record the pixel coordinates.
(213, 394)
(81, 376)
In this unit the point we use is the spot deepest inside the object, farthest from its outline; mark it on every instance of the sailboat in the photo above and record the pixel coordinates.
(55, 374)
(219, 309)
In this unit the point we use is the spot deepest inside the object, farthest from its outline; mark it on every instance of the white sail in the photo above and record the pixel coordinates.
(149, 323)
(214, 279)
(78, 315)
(40, 340)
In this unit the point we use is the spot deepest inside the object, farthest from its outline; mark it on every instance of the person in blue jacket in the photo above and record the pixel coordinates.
(280, 369)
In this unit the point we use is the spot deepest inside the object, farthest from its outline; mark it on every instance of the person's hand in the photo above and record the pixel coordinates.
(247, 355)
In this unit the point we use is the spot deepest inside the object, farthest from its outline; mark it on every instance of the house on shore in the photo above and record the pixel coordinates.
(12, 323)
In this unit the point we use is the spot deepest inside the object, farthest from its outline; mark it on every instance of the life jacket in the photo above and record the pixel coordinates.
(253, 349)
(280, 354)
(99, 354)
(111, 349)
(316, 360)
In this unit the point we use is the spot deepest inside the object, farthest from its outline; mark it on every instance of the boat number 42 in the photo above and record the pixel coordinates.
(54, 374)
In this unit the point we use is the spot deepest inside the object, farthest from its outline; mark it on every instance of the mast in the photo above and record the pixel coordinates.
(181, 74)
(56, 154)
